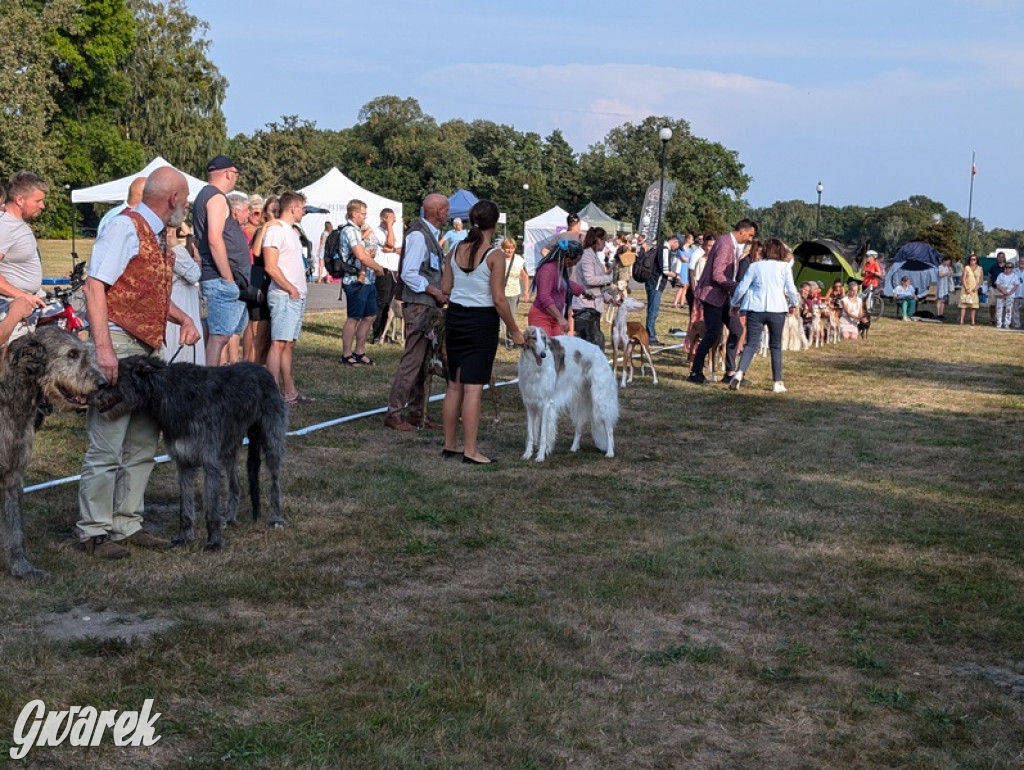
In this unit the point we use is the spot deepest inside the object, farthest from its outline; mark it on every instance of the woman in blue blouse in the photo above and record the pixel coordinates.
(766, 293)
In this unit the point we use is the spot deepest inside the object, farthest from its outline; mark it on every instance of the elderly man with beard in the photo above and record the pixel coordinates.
(128, 303)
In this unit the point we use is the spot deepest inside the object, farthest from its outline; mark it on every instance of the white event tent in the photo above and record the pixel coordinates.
(333, 191)
(539, 229)
(116, 191)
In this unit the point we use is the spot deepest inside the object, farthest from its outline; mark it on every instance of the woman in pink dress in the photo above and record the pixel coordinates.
(554, 289)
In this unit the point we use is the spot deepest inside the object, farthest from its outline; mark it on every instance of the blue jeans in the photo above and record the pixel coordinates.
(285, 316)
(653, 308)
(756, 321)
(225, 314)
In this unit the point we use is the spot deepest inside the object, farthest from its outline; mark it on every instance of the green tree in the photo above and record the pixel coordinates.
(561, 170)
(710, 180)
(285, 155)
(390, 149)
(173, 104)
(792, 221)
(449, 165)
(946, 234)
(89, 52)
(27, 82)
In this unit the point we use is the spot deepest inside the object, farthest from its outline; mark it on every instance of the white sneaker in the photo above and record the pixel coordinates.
(736, 381)
(778, 387)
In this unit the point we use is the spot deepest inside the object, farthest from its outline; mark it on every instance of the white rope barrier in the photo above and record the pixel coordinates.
(300, 432)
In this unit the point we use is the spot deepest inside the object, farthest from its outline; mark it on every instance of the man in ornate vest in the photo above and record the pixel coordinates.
(420, 272)
(128, 303)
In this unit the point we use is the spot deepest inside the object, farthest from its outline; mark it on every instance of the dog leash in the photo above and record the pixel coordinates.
(180, 348)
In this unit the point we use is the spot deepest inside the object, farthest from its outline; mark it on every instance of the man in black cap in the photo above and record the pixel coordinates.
(224, 251)
(572, 231)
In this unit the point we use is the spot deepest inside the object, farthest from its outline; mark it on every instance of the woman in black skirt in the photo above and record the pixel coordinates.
(474, 279)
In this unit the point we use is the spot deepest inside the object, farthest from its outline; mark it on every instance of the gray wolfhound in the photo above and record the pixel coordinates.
(204, 413)
(48, 365)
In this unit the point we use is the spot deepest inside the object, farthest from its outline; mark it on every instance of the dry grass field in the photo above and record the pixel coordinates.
(831, 577)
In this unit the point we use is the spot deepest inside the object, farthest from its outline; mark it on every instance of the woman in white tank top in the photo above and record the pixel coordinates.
(474, 279)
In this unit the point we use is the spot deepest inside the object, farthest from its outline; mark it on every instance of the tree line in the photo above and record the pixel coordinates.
(94, 89)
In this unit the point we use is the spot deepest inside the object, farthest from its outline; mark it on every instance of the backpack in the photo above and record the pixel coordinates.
(643, 267)
(334, 264)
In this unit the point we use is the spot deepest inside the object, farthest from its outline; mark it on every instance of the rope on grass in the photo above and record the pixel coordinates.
(300, 432)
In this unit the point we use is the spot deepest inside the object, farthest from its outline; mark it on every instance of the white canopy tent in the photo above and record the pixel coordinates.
(333, 191)
(116, 191)
(539, 229)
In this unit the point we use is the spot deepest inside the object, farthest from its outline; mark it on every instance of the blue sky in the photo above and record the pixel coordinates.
(877, 100)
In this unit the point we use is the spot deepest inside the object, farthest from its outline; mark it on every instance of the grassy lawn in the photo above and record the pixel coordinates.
(833, 577)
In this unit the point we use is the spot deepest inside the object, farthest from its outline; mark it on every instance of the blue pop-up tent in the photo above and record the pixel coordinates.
(460, 203)
(916, 260)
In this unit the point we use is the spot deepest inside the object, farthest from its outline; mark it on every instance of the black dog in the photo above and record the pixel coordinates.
(204, 413)
(864, 326)
(47, 367)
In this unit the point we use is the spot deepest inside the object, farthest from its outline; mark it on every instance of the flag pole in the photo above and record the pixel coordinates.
(970, 207)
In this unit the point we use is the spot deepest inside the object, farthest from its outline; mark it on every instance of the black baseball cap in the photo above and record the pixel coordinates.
(219, 163)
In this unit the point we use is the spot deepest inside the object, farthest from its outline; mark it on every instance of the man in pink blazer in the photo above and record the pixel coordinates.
(714, 291)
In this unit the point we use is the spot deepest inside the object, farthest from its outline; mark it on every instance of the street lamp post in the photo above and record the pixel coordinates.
(664, 134)
(817, 217)
(74, 254)
(526, 189)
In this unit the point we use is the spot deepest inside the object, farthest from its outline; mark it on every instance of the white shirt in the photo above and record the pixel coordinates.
(513, 286)
(414, 252)
(282, 236)
(386, 259)
(119, 244)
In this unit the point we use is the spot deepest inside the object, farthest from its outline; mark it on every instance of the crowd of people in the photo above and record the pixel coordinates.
(247, 261)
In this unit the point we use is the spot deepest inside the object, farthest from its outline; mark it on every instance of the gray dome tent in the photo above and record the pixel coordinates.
(916, 260)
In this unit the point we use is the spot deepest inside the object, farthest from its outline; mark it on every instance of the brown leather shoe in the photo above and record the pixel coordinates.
(102, 547)
(145, 540)
(397, 423)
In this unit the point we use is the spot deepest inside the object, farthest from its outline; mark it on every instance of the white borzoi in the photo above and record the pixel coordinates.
(559, 374)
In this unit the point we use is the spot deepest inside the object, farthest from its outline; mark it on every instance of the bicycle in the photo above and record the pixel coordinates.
(65, 304)
(874, 305)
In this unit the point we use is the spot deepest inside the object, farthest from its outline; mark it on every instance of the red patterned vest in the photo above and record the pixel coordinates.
(138, 301)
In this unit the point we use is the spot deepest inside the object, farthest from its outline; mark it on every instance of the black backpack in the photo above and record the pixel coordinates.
(335, 266)
(646, 262)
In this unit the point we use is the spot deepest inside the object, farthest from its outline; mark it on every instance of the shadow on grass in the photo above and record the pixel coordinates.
(978, 377)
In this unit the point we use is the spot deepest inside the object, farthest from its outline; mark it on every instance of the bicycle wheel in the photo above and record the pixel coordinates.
(876, 307)
(78, 303)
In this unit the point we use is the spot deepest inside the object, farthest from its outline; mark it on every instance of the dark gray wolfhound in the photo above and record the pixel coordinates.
(52, 366)
(204, 413)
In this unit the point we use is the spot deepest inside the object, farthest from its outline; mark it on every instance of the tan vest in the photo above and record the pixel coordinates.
(139, 300)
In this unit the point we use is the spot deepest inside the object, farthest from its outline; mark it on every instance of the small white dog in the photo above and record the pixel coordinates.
(559, 374)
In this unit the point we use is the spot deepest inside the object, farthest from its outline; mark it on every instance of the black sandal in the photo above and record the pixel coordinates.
(363, 359)
(350, 361)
